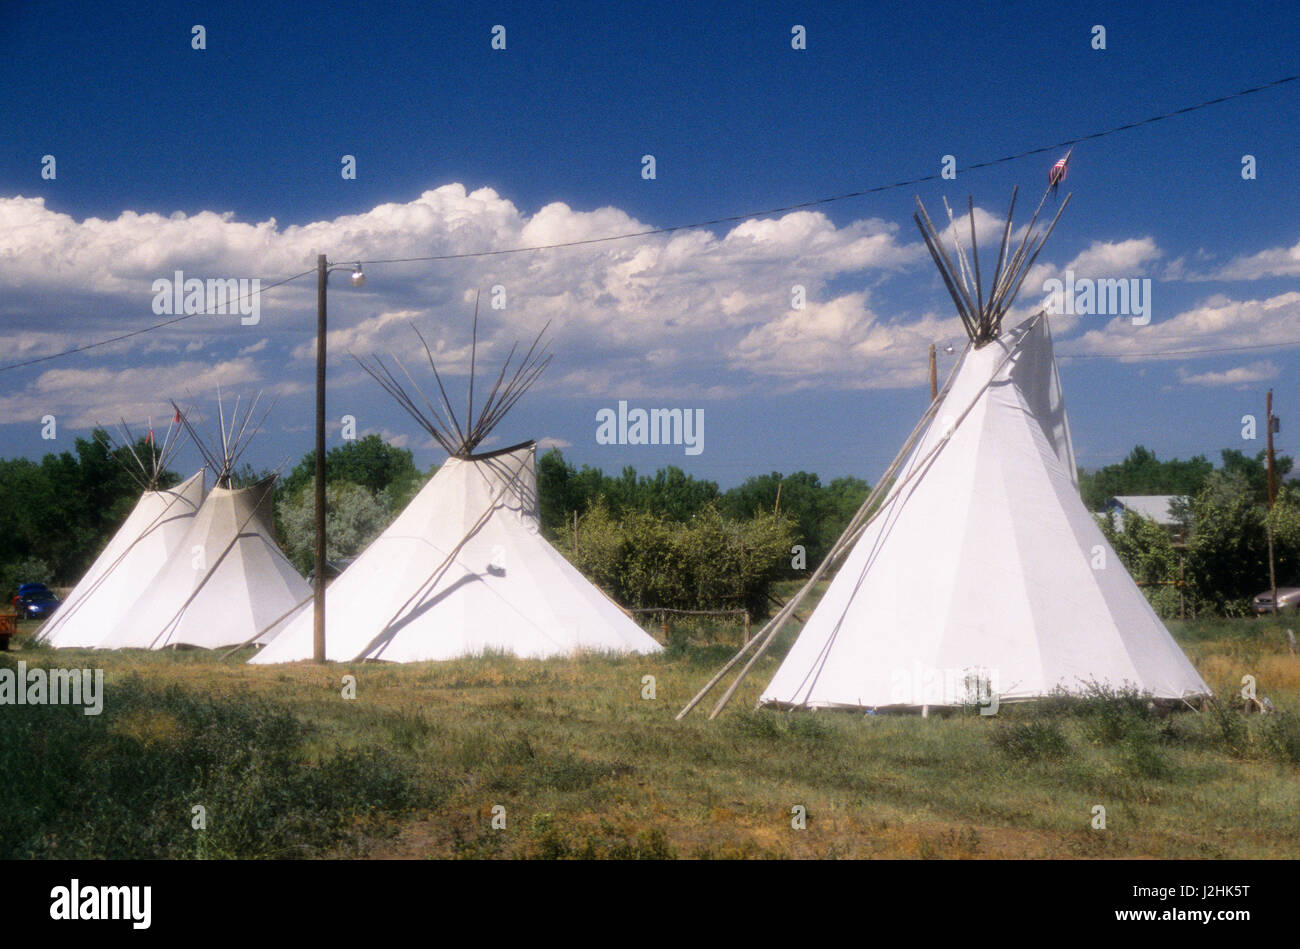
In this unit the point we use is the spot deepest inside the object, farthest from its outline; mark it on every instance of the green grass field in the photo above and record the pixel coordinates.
(584, 766)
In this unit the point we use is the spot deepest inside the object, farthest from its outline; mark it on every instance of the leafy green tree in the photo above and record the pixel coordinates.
(1143, 473)
(17, 572)
(370, 462)
(674, 494)
(649, 560)
(1227, 556)
(1146, 550)
(1254, 471)
(1284, 520)
(387, 474)
(820, 512)
(353, 518)
(26, 507)
(558, 494)
(63, 510)
(670, 492)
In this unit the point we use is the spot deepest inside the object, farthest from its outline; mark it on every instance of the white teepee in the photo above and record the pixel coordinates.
(464, 569)
(983, 573)
(227, 580)
(128, 566)
(980, 572)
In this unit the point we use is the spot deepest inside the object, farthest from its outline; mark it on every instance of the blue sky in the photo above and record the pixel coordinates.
(225, 162)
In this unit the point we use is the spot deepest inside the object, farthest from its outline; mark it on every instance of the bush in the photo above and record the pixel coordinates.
(24, 570)
(1111, 715)
(1282, 737)
(353, 518)
(1142, 754)
(1227, 557)
(1033, 740)
(820, 512)
(707, 562)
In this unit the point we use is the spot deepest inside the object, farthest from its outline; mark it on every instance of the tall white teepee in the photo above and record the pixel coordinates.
(227, 580)
(129, 564)
(464, 569)
(980, 572)
(983, 572)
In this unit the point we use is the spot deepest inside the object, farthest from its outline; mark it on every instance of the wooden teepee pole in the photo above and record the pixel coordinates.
(846, 540)
(975, 254)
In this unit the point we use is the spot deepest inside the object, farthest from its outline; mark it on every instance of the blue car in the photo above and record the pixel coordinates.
(36, 601)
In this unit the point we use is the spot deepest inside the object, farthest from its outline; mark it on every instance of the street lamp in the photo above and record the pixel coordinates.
(934, 371)
(323, 270)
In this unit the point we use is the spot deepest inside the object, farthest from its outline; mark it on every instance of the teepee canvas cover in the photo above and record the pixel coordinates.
(980, 573)
(226, 581)
(127, 567)
(983, 565)
(464, 570)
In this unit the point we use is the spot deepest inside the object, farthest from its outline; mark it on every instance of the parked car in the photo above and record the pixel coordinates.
(1288, 599)
(36, 601)
(24, 590)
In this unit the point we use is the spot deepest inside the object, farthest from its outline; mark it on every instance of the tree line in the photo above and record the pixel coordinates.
(1141, 472)
(667, 539)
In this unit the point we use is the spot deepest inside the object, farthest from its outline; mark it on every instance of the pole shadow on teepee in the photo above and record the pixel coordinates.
(973, 551)
(464, 569)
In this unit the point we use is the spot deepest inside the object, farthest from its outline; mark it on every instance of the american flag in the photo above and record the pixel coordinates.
(1057, 174)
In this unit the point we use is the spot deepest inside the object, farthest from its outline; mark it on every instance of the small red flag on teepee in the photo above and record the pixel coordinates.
(1058, 172)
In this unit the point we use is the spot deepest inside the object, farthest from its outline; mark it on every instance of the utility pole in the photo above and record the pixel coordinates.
(358, 279)
(1271, 425)
(934, 376)
(318, 602)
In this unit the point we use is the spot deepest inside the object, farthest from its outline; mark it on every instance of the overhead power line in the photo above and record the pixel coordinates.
(1178, 352)
(733, 218)
(148, 329)
(729, 219)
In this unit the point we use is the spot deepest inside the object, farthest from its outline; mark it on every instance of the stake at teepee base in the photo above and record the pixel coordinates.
(980, 561)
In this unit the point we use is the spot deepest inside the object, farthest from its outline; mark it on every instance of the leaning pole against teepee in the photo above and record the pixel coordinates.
(464, 569)
(227, 580)
(974, 569)
(129, 564)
